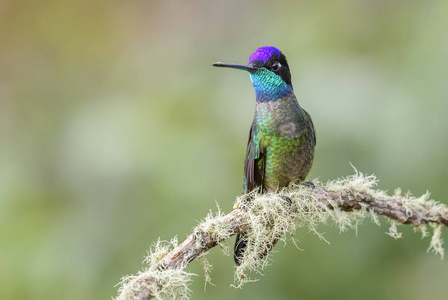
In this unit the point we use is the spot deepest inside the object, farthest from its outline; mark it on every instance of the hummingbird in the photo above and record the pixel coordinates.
(282, 137)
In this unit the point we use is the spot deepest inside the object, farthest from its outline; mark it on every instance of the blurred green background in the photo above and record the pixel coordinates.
(115, 130)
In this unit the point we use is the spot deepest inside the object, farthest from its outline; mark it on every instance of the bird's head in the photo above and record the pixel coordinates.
(269, 72)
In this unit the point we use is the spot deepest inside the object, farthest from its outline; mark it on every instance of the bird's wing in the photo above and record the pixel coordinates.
(254, 162)
(309, 121)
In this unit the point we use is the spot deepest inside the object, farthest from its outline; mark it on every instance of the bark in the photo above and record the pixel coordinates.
(393, 207)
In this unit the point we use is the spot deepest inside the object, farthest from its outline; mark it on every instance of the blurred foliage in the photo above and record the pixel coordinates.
(115, 130)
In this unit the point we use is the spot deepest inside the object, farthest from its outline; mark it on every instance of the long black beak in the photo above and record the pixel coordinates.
(235, 66)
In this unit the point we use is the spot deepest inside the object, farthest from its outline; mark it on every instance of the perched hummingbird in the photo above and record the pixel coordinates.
(282, 136)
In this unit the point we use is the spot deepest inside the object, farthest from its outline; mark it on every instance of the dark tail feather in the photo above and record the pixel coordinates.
(240, 246)
(241, 239)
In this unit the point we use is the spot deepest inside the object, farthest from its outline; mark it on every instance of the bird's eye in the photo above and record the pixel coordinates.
(276, 66)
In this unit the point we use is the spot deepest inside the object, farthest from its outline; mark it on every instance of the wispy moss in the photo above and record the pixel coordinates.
(163, 284)
(274, 217)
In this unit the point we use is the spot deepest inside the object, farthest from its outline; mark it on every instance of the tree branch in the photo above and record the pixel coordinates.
(270, 216)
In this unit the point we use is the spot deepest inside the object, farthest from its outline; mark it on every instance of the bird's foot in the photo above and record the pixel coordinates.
(287, 199)
(309, 184)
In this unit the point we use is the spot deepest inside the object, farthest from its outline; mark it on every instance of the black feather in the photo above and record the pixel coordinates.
(254, 165)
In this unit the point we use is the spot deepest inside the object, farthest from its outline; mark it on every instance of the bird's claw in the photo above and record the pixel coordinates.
(287, 199)
(309, 184)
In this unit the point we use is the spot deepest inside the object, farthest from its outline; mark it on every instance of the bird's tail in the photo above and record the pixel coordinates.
(240, 246)
(241, 239)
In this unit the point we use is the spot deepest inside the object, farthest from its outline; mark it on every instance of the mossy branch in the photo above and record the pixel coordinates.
(266, 217)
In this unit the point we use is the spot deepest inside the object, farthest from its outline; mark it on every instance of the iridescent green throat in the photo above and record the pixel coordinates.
(268, 85)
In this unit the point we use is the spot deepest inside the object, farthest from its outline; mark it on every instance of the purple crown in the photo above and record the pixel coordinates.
(264, 53)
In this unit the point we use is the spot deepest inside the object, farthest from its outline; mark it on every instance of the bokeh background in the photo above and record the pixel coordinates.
(115, 130)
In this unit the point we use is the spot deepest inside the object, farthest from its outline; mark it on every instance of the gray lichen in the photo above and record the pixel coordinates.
(273, 217)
